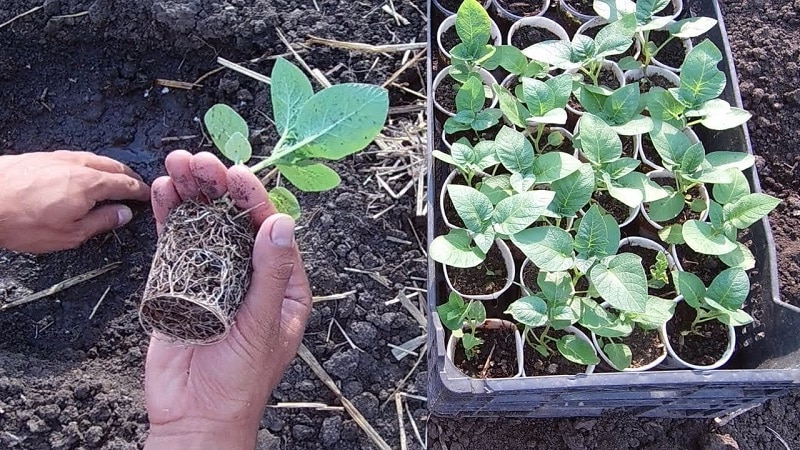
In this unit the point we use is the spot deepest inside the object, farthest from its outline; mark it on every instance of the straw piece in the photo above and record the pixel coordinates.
(369, 48)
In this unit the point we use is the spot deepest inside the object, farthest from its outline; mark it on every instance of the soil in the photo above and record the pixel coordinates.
(649, 260)
(649, 151)
(555, 364)
(474, 138)
(584, 7)
(67, 382)
(608, 79)
(647, 83)
(704, 266)
(530, 276)
(628, 146)
(521, 8)
(703, 347)
(645, 345)
(526, 36)
(451, 5)
(450, 209)
(487, 277)
(446, 94)
(499, 349)
(612, 206)
(450, 39)
(673, 53)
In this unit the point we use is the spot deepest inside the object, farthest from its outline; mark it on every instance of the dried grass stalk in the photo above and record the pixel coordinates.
(200, 273)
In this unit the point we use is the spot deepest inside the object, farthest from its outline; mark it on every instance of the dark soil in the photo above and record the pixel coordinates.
(554, 364)
(612, 206)
(521, 8)
(645, 346)
(703, 349)
(530, 276)
(704, 266)
(628, 146)
(486, 278)
(87, 83)
(583, 6)
(526, 36)
(649, 260)
(446, 94)
(474, 138)
(495, 358)
(452, 5)
(608, 79)
(450, 209)
(647, 83)
(673, 53)
(450, 39)
(649, 151)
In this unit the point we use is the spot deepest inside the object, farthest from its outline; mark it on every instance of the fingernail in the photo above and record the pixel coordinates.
(124, 215)
(282, 233)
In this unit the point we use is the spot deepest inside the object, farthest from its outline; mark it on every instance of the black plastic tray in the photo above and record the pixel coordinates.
(766, 362)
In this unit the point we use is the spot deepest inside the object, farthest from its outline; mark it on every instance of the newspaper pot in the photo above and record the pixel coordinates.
(645, 158)
(581, 17)
(491, 324)
(571, 330)
(510, 268)
(665, 174)
(607, 65)
(514, 21)
(450, 22)
(488, 81)
(649, 71)
(674, 360)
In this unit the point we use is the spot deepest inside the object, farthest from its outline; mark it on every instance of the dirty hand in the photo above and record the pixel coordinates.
(214, 396)
(48, 200)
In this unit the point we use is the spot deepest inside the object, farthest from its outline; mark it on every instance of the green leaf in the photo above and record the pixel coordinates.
(692, 27)
(598, 142)
(238, 148)
(561, 85)
(638, 124)
(512, 108)
(691, 287)
(497, 188)
(290, 90)
(573, 192)
(564, 314)
(670, 143)
(470, 96)
(462, 121)
(556, 116)
(749, 209)
(553, 166)
(730, 288)
(474, 208)
(514, 151)
(628, 196)
(672, 234)
(484, 239)
(657, 312)
(455, 249)
(548, 247)
(593, 235)
(556, 286)
(730, 160)
(741, 258)
(646, 9)
(629, 63)
(473, 25)
(522, 182)
(613, 10)
(554, 53)
(285, 202)
(341, 120)
(619, 355)
(616, 38)
(538, 96)
(577, 350)
(601, 322)
(730, 192)
(310, 177)
(222, 122)
(509, 58)
(666, 208)
(480, 157)
(591, 100)
(621, 281)
(664, 107)
(530, 311)
(700, 237)
(476, 312)
(486, 119)
(453, 312)
(731, 118)
(623, 104)
(651, 191)
(701, 80)
(519, 211)
(737, 318)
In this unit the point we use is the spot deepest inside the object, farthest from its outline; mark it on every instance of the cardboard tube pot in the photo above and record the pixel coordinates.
(566, 7)
(446, 12)
(607, 65)
(487, 78)
(675, 361)
(510, 272)
(450, 22)
(492, 324)
(199, 275)
(537, 22)
(646, 159)
(662, 174)
(571, 330)
(507, 16)
(687, 45)
(652, 364)
(632, 76)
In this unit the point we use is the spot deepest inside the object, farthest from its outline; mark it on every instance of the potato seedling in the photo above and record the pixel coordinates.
(457, 315)
(721, 301)
(201, 269)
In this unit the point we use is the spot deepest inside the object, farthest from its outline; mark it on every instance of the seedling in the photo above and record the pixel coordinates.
(620, 109)
(201, 269)
(721, 301)
(457, 315)
(659, 272)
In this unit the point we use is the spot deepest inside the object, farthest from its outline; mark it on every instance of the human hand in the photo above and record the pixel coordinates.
(214, 396)
(48, 200)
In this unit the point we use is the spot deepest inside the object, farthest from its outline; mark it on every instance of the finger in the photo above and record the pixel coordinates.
(114, 186)
(210, 175)
(275, 260)
(164, 198)
(249, 194)
(103, 219)
(178, 169)
(108, 165)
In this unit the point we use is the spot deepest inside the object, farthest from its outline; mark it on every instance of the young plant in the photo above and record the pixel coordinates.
(721, 301)
(553, 307)
(536, 103)
(455, 315)
(469, 160)
(659, 272)
(329, 125)
(584, 53)
(620, 109)
(696, 99)
(470, 111)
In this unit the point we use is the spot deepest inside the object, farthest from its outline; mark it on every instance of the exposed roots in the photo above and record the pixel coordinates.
(200, 274)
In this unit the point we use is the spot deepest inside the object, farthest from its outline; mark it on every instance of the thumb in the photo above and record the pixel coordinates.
(104, 218)
(274, 261)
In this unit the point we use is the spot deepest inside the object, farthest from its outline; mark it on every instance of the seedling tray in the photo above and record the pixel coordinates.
(766, 363)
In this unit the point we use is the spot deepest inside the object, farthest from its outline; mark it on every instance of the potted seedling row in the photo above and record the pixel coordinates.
(201, 267)
(524, 199)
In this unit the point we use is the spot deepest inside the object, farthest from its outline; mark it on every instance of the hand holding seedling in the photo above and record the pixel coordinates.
(213, 396)
(49, 200)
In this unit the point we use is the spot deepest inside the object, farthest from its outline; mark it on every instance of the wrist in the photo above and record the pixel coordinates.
(201, 434)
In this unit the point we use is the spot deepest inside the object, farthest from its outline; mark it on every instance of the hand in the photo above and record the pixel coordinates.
(48, 200)
(214, 396)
